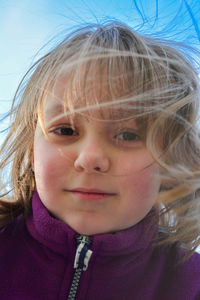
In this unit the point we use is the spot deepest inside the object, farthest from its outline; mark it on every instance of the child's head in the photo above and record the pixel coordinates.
(115, 111)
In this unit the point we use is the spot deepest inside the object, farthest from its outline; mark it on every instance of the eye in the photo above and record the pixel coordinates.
(128, 136)
(65, 130)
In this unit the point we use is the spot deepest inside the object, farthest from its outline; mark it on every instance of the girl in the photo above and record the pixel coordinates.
(103, 151)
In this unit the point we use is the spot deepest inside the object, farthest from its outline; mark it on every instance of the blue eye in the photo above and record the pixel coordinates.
(128, 136)
(65, 131)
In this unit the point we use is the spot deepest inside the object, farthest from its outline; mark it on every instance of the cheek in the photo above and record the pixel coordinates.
(51, 164)
(142, 172)
(134, 164)
(139, 193)
(147, 180)
(144, 185)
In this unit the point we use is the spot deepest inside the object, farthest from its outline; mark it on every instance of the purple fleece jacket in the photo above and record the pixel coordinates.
(37, 256)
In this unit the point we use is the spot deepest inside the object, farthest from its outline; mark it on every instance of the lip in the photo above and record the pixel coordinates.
(90, 194)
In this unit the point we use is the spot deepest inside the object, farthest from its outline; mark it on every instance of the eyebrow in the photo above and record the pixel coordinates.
(120, 115)
(54, 109)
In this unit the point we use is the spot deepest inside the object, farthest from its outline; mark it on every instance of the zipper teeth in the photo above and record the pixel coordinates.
(74, 285)
(85, 241)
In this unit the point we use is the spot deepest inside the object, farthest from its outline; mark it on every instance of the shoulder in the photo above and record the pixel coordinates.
(182, 274)
(187, 268)
(12, 233)
(12, 227)
(177, 259)
(179, 256)
(13, 246)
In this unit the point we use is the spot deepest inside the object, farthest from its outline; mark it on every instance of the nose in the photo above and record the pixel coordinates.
(92, 158)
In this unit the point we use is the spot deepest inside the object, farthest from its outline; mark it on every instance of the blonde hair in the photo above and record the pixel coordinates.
(151, 79)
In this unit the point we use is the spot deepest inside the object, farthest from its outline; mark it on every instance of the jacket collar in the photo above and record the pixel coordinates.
(59, 237)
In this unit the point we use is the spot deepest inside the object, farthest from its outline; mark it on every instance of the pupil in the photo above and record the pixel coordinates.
(67, 131)
(129, 136)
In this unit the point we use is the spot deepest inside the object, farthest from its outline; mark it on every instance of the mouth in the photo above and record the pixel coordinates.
(90, 194)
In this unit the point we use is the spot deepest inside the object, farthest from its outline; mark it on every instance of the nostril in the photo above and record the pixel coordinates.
(97, 169)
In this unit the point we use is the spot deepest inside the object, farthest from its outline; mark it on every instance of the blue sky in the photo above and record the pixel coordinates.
(26, 25)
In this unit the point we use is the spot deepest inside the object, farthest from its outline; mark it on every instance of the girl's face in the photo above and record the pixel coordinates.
(96, 176)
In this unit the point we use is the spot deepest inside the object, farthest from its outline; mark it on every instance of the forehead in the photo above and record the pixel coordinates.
(93, 96)
(53, 109)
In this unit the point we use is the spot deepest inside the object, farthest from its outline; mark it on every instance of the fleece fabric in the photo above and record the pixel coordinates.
(37, 257)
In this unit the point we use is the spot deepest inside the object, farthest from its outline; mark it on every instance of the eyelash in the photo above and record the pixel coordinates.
(130, 136)
(64, 128)
(135, 136)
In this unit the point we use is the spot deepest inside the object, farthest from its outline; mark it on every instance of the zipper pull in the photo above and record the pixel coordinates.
(83, 254)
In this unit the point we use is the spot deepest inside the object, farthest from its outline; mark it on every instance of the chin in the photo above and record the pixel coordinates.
(90, 230)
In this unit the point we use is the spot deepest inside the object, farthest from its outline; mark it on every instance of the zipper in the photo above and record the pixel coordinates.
(82, 257)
